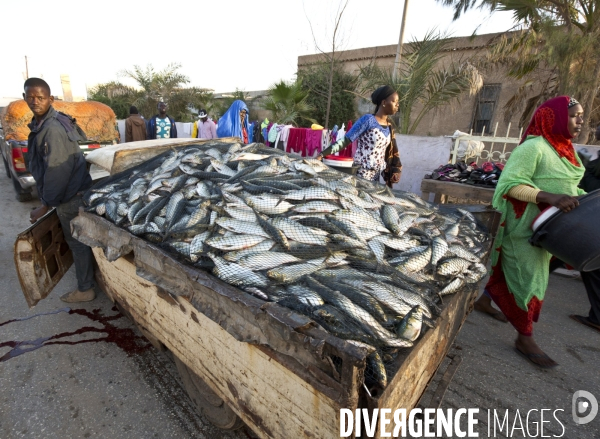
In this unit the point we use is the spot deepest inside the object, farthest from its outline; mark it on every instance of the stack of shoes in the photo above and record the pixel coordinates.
(487, 174)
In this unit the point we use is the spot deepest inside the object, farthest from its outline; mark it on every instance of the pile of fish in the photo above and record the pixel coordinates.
(367, 264)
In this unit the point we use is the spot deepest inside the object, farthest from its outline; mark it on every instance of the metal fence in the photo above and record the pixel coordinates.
(489, 148)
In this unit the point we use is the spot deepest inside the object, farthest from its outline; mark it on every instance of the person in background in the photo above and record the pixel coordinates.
(135, 126)
(542, 171)
(234, 123)
(376, 153)
(161, 125)
(206, 127)
(61, 175)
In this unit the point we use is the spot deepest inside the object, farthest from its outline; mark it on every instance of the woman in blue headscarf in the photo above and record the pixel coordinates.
(234, 123)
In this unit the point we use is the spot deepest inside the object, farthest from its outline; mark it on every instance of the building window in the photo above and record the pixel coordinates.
(487, 99)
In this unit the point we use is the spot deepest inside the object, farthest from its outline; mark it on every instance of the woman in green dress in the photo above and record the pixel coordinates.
(542, 171)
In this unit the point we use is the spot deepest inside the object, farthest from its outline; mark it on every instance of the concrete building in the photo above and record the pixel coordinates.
(471, 113)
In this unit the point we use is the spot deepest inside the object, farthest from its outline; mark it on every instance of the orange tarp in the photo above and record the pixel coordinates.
(97, 120)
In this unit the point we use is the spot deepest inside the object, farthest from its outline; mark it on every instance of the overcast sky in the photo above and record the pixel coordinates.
(221, 44)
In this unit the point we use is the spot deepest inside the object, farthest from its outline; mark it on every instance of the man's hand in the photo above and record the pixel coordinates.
(36, 214)
(566, 203)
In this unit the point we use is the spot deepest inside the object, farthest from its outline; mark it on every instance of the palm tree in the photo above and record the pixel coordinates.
(288, 103)
(167, 85)
(421, 82)
(553, 52)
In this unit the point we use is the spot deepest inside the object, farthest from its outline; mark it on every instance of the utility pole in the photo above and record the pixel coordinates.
(400, 41)
(26, 68)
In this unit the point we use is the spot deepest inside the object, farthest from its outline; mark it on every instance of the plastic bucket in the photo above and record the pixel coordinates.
(573, 237)
(342, 164)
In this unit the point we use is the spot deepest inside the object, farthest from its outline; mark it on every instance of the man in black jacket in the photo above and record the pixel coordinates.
(60, 172)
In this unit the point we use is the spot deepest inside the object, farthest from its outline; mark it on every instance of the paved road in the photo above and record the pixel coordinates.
(90, 381)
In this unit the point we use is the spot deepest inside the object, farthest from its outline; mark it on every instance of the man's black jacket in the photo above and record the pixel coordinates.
(55, 158)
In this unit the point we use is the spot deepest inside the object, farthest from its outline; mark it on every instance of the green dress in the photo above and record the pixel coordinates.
(537, 164)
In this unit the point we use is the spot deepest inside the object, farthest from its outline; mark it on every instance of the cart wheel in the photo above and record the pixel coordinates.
(206, 401)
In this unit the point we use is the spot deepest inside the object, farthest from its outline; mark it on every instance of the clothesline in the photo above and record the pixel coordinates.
(308, 142)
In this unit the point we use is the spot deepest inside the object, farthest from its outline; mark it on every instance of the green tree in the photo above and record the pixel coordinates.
(117, 96)
(342, 101)
(167, 85)
(554, 52)
(288, 102)
(423, 83)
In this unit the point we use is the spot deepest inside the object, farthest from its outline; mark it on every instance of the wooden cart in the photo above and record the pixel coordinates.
(443, 189)
(240, 358)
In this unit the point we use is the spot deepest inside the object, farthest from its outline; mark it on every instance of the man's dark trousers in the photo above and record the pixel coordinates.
(82, 254)
(591, 279)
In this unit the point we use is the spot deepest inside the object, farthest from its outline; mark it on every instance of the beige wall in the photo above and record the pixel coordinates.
(459, 115)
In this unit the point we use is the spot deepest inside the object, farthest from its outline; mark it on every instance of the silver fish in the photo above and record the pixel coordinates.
(366, 320)
(418, 261)
(378, 250)
(240, 212)
(235, 274)
(241, 227)
(452, 287)
(393, 200)
(410, 327)
(439, 249)
(263, 246)
(234, 242)
(300, 233)
(359, 219)
(311, 193)
(453, 266)
(304, 167)
(305, 295)
(315, 206)
(400, 244)
(405, 221)
(291, 273)
(391, 219)
(462, 252)
(266, 260)
(222, 167)
(268, 204)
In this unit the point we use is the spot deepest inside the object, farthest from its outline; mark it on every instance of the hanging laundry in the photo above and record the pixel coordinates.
(313, 142)
(272, 134)
(296, 141)
(351, 149)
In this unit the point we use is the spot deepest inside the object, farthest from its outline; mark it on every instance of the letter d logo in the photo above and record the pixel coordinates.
(580, 407)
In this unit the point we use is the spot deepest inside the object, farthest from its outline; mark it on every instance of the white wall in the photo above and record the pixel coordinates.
(420, 155)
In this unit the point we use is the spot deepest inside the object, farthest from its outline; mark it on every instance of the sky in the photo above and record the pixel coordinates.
(220, 44)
